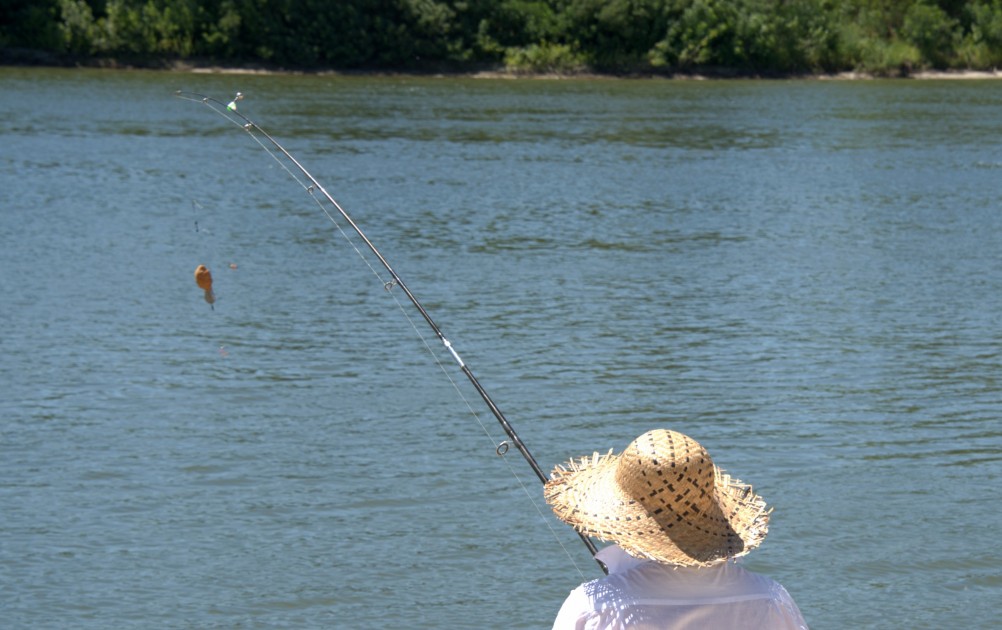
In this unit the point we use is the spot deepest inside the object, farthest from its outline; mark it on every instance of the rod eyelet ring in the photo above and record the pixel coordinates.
(502, 448)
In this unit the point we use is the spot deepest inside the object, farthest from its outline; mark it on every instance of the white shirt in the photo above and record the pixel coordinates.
(642, 594)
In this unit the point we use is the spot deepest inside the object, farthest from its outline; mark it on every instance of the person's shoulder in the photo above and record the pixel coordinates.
(752, 579)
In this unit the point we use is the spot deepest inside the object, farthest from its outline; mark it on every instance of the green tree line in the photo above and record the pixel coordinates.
(741, 36)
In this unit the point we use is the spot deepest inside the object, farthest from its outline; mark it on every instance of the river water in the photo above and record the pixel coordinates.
(804, 276)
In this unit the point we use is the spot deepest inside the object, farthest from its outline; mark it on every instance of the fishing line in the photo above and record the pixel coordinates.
(314, 188)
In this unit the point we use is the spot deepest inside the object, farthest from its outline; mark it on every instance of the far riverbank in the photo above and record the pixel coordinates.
(34, 58)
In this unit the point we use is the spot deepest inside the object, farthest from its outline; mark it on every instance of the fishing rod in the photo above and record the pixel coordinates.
(228, 111)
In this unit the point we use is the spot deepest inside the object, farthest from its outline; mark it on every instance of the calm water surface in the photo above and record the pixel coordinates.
(805, 276)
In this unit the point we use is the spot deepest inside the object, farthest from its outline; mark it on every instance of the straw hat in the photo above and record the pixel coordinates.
(661, 499)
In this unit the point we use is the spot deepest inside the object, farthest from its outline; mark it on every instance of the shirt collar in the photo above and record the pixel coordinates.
(617, 560)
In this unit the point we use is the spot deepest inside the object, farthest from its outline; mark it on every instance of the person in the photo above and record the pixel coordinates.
(677, 523)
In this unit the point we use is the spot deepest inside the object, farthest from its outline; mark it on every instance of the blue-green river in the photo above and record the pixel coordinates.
(805, 276)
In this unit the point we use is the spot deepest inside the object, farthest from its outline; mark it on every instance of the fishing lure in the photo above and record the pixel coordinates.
(203, 278)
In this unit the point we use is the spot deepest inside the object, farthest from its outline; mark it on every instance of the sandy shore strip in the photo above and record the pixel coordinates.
(506, 74)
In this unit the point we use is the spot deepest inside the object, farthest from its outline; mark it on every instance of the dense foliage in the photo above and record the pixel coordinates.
(744, 36)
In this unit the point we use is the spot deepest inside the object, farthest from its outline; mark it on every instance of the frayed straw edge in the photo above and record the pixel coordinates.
(582, 463)
(758, 529)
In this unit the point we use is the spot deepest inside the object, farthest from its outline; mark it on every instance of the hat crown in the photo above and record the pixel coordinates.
(666, 470)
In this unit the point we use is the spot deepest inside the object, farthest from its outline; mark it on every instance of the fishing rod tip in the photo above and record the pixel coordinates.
(233, 104)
